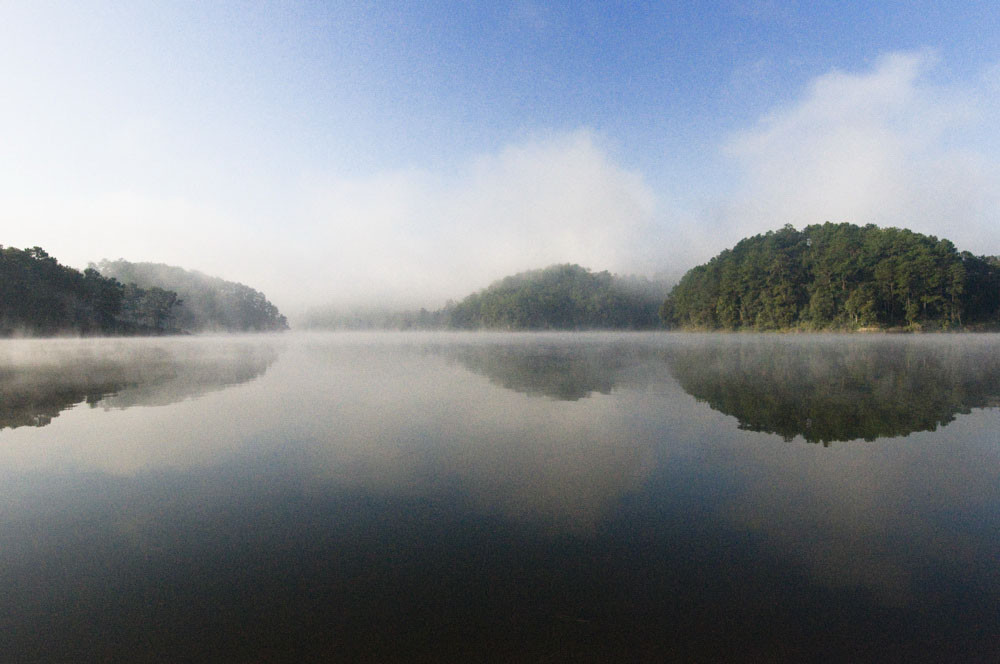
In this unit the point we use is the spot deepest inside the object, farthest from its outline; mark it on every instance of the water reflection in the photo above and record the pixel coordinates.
(556, 463)
(824, 389)
(504, 498)
(559, 371)
(41, 378)
(567, 367)
(830, 389)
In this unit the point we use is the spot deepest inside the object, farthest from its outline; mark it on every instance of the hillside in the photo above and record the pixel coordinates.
(837, 276)
(209, 303)
(561, 297)
(39, 296)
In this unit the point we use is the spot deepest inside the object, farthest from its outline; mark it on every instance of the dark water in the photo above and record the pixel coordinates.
(475, 498)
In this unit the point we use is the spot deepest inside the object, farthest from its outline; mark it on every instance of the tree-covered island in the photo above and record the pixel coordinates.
(838, 276)
(561, 297)
(40, 296)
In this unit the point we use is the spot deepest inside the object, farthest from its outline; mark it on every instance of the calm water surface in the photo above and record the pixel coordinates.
(472, 497)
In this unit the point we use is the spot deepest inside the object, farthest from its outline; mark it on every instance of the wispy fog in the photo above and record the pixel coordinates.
(419, 237)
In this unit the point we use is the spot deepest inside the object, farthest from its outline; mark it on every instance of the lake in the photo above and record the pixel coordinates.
(501, 497)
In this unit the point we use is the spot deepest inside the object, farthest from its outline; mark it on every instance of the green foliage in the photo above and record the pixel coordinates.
(560, 297)
(149, 308)
(209, 303)
(40, 296)
(839, 276)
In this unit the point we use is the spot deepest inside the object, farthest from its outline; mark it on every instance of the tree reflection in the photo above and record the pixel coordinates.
(39, 379)
(835, 390)
(565, 371)
(824, 388)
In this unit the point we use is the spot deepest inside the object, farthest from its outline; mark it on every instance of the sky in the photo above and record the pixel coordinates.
(406, 153)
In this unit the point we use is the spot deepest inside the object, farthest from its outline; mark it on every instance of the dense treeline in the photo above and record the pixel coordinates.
(561, 297)
(210, 303)
(837, 276)
(38, 295)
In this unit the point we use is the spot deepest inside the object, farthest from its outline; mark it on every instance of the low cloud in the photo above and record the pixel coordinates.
(403, 238)
(427, 237)
(886, 146)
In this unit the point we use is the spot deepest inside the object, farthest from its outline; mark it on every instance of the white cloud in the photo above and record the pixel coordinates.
(426, 236)
(885, 146)
(403, 238)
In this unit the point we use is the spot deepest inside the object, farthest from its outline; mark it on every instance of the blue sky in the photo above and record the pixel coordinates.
(412, 152)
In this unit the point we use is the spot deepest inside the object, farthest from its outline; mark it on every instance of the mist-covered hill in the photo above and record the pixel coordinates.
(559, 297)
(838, 276)
(40, 296)
(208, 303)
(562, 297)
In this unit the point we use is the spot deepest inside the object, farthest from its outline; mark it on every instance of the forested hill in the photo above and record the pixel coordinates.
(210, 303)
(38, 296)
(838, 276)
(561, 297)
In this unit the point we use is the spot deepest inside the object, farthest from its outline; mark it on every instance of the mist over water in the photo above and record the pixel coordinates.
(41, 378)
(567, 497)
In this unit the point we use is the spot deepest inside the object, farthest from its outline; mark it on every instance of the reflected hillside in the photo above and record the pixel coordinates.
(837, 390)
(40, 379)
(567, 372)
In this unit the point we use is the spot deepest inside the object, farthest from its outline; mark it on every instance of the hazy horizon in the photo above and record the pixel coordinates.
(331, 154)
